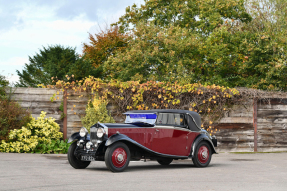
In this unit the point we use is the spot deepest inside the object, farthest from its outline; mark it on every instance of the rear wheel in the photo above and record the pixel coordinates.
(117, 157)
(73, 160)
(202, 155)
(164, 161)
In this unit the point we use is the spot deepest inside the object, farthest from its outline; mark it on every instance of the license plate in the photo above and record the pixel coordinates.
(88, 158)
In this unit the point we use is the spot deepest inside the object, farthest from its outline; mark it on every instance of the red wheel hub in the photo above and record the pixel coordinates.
(119, 157)
(203, 154)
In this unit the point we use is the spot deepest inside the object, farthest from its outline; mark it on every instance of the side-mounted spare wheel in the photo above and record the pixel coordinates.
(202, 155)
(117, 157)
(73, 160)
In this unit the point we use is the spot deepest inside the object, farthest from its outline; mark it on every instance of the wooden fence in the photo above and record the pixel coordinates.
(38, 99)
(254, 124)
(260, 127)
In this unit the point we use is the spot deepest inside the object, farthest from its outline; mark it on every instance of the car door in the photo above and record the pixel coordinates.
(170, 135)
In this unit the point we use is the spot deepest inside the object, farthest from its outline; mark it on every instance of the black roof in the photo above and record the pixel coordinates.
(194, 115)
(161, 111)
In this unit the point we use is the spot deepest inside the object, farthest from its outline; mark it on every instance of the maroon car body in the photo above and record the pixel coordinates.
(162, 135)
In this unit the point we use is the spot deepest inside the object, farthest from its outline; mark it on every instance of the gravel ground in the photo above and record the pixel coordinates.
(260, 171)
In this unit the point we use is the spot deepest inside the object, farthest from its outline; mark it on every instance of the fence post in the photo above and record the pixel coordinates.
(255, 122)
(65, 113)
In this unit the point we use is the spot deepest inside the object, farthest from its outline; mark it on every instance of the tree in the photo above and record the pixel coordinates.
(159, 54)
(104, 45)
(169, 37)
(202, 16)
(266, 46)
(3, 83)
(220, 42)
(57, 62)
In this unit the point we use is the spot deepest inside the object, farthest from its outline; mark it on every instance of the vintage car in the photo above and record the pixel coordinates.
(162, 135)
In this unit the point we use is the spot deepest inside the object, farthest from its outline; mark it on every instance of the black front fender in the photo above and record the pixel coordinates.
(76, 136)
(198, 139)
(120, 137)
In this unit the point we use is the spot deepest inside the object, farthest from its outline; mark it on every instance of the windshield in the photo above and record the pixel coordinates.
(141, 117)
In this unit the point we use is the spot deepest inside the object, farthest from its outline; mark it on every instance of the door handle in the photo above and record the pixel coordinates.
(157, 130)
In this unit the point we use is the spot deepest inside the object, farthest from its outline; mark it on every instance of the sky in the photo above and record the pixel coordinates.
(28, 25)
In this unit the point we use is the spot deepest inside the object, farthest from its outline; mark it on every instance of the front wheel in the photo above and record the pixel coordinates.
(117, 157)
(73, 160)
(202, 155)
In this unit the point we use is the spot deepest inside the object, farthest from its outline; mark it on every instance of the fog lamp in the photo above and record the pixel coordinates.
(89, 144)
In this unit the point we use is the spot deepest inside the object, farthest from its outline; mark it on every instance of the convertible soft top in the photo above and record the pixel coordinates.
(195, 115)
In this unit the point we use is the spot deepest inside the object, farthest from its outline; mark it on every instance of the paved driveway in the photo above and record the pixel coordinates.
(226, 172)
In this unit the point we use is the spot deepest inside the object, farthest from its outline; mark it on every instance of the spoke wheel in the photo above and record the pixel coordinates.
(73, 160)
(202, 155)
(117, 157)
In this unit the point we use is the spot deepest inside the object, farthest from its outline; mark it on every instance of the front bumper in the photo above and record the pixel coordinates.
(95, 152)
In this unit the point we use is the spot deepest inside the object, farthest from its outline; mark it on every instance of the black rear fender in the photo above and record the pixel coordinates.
(198, 139)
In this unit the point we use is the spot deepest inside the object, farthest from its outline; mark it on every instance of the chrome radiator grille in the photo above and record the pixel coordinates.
(93, 135)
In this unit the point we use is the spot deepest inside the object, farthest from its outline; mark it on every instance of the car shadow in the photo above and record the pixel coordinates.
(159, 167)
(140, 165)
(143, 168)
(153, 166)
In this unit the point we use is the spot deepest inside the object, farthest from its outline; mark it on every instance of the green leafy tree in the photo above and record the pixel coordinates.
(3, 83)
(230, 43)
(57, 62)
(201, 15)
(265, 47)
(171, 39)
(159, 54)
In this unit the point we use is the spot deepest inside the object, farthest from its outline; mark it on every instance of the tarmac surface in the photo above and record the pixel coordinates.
(227, 171)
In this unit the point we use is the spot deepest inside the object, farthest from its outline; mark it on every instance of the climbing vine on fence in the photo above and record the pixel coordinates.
(210, 101)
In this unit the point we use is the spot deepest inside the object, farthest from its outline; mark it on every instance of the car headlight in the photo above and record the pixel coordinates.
(83, 132)
(100, 132)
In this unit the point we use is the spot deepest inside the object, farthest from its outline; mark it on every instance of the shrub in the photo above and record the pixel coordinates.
(12, 116)
(96, 111)
(40, 135)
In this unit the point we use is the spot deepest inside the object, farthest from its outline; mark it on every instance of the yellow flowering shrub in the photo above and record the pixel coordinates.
(40, 135)
(96, 111)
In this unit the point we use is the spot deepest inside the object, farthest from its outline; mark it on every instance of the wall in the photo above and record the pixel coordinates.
(38, 99)
(236, 128)
(236, 132)
(272, 125)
